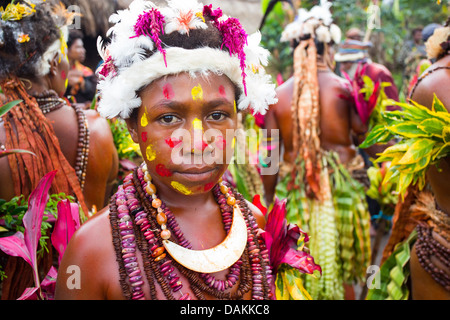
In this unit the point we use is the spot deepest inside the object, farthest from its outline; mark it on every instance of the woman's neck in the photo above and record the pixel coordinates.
(36, 87)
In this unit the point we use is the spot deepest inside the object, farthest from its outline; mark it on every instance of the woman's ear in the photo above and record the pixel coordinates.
(54, 64)
(132, 129)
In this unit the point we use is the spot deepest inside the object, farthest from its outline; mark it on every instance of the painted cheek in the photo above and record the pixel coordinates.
(150, 153)
(163, 171)
(168, 91)
(172, 142)
(209, 186)
(144, 136)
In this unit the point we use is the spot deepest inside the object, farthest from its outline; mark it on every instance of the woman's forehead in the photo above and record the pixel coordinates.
(171, 86)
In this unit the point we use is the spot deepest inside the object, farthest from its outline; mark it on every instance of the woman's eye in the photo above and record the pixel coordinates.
(168, 119)
(216, 116)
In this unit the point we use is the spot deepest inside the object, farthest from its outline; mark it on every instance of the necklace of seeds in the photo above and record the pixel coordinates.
(427, 246)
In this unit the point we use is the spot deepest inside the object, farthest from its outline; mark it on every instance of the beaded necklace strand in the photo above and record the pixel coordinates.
(139, 219)
(427, 246)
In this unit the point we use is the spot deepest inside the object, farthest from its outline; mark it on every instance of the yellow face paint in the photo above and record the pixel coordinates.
(144, 119)
(150, 153)
(197, 124)
(235, 109)
(181, 188)
(197, 93)
(66, 84)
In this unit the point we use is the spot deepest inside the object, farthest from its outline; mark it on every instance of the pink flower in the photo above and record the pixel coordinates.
(282, 240)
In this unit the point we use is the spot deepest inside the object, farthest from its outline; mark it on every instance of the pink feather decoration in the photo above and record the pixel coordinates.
(151, 24)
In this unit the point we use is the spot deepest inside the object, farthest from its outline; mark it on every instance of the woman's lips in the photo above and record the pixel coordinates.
(196, 174)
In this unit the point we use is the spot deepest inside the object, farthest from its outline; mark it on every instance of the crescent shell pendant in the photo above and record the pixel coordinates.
(218, 258)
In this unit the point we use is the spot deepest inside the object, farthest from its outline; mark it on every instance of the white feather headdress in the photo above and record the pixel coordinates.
(127, 69)
(316, 22)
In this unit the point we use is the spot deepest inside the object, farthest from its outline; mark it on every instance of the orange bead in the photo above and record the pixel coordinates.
(160, 257)
(161, 218)
(156, 203)
(223, 189)
(231, 201)
(157, 252)
(165, 234)
(150, 188)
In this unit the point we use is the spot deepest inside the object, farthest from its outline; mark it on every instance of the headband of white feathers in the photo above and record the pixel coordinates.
(127, 69)
(316, 22)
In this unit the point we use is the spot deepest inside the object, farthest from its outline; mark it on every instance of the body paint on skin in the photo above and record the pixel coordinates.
(209, 186)
(181, 188)
(172, 142)
(197, 93)
(235, 109)
(197, 124)
(222, 91)
(163, 171)
(168, 91)
(144, 136)
(144, 119)
(150, 153)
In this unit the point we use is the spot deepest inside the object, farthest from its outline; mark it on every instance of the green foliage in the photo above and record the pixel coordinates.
(394, 273)
(281, 60)
(5, 108)
(126, 148)
(424, 139)
(12, 212)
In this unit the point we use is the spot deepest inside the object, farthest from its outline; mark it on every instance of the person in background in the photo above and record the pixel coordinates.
(352, 53)
(82, 81)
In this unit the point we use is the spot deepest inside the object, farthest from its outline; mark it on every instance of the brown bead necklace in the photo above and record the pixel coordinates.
(427, 246)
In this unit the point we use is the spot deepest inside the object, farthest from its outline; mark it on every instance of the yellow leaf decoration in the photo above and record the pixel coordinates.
(424, 139)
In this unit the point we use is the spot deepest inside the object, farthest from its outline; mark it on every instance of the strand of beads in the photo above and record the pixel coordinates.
(156, 248)
(259, 257)
(83, 147)
(427, 246)
(129, 245)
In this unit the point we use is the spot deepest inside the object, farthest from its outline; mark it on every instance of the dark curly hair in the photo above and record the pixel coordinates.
(21, 59)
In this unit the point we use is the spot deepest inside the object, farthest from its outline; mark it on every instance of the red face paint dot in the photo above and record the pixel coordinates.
(172, 142)
(222, 91)
(209, 186)
(63, 74)
(144, 136)
(168, 91)
(163, 171)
